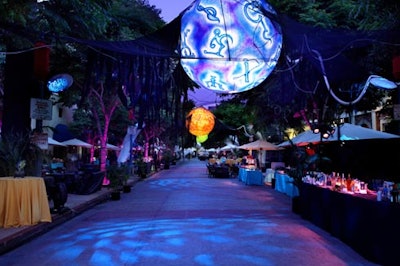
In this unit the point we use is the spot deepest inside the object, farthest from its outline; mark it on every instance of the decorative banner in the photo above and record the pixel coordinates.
(200, 121)
(229, 46)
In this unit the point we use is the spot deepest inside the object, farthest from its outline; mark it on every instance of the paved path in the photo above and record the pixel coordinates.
(181, 217)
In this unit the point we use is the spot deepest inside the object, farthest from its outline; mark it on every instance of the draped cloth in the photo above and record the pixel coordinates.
(153, 79)
(23, 201)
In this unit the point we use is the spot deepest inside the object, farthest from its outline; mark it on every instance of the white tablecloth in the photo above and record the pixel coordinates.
(269, 174)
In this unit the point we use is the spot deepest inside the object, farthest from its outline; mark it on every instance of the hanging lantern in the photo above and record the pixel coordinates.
(41, 60)
(200, 121)
(229, 46)
(201, 139)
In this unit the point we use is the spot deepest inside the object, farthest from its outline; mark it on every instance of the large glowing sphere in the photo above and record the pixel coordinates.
(200, 121)
(229, 46)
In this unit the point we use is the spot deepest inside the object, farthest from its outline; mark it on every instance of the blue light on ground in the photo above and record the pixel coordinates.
(164, 241)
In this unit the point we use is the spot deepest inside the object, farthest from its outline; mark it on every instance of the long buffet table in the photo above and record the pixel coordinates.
(23, 201)
(370, 227)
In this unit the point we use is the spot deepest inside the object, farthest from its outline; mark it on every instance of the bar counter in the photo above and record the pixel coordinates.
(370, 227)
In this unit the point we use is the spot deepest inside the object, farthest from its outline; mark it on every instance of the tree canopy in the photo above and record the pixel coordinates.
(346, 40)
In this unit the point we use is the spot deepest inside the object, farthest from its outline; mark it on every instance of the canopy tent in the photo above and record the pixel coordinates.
(77, 142)
(344, 132)
(302, 139)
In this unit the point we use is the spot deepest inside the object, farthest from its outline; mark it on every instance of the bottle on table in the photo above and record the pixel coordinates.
(349, 183)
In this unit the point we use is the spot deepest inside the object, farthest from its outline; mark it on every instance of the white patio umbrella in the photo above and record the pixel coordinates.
(54, 142)
(229, 147)
(77, 142)
(260, 145)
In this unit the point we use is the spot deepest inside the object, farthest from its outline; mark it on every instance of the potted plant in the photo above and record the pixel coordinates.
(166, 158)
(174, 158)
(116, 181)
(141, 167)
(19, 169)
(124, 173)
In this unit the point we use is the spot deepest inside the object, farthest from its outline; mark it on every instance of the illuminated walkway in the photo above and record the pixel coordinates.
(181, 217)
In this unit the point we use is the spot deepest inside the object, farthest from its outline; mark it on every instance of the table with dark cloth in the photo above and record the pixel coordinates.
(369, 226)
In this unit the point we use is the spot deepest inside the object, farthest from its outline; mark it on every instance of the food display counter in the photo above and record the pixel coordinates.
(369, 226)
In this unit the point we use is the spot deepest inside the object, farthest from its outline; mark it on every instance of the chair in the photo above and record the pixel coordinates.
(56, 191)
(234, 170)
(89, 182)
(222, 172)
(211, 170)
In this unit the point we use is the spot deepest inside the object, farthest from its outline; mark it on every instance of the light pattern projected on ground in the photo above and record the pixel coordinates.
(229, 46)
(122, 242)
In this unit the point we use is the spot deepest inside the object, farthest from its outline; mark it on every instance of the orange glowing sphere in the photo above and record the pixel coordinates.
(200, 121)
